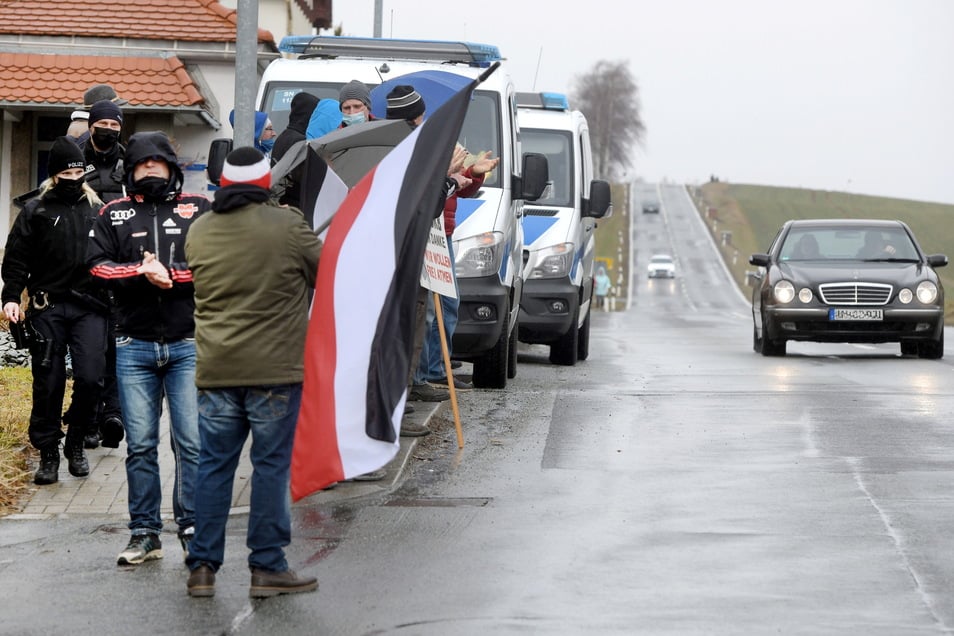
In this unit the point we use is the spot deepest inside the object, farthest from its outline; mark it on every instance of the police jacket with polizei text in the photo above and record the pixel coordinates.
(124, 231)
(46, 249)
(104, 171)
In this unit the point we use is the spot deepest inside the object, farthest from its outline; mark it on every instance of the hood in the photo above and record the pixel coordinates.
(143, 145)
(302, 105)
(260, 119)
(325, 118)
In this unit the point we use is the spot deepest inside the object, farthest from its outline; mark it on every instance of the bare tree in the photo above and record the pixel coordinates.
(609, 98)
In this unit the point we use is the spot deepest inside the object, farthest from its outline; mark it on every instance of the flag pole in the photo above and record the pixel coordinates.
(439, 317)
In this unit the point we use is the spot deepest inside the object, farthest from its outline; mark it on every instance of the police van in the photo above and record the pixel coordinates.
(559, 229)
(488, 238)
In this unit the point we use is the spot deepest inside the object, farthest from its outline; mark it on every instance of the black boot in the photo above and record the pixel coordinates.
(76, 455)
(48, 472)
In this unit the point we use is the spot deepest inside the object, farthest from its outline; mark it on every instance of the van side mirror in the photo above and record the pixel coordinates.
(219, 149)
(599, 204)
(536, 174)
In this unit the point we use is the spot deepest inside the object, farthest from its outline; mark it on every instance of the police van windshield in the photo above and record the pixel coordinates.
(480, 132)
(557, 145)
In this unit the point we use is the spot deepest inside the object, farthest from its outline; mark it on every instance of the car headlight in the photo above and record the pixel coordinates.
(926, 292)
(479, 255)
(905, 296)
(784, 292)
(805, 295)
(552, 262)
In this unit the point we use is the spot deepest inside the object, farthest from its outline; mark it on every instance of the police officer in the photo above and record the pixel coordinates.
(46, 255)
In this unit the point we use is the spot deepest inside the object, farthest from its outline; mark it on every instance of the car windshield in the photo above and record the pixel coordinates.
(848, 244)
(557, 146)
(661, 258)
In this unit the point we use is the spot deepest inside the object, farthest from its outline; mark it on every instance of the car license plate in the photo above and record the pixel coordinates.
(855, 314)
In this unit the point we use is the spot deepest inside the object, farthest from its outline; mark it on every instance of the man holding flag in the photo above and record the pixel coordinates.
(360, 338)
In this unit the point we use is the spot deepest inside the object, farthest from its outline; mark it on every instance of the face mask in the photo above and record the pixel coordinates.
(266, 145)
(151, 187)
(104, 138)
(69, 189)
(353, 118)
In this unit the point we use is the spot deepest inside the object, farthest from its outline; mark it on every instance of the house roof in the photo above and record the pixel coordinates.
(143, 81)
(195, 20)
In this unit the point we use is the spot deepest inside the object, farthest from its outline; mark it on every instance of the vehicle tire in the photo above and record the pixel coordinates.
(583, 343)
(490, 370)
(756, 341)
(909, 348)
(512, 350)
(932, 349)
(771, 347)
(565, 350)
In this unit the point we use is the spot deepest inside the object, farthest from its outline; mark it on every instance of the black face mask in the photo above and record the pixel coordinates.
(104, 138)
(69, 189)
(151, 187)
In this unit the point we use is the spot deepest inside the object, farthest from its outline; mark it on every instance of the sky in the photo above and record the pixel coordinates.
(846, 95)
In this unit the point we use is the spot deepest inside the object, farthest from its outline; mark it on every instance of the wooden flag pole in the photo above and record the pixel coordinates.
(439, 317)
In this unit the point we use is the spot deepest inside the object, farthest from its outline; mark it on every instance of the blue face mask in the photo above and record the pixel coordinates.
(266, 145)
(354, 118)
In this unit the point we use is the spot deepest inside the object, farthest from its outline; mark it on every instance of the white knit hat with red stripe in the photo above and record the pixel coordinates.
(247, 166)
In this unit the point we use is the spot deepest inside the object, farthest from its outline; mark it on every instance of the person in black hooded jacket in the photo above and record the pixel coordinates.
(138, 248)
(46, 255)
(302, 105)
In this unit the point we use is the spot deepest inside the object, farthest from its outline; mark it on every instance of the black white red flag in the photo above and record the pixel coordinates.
(360, 335)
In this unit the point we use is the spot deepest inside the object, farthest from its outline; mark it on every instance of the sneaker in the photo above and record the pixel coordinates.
(459, 384)
(91, 440)
(456, 364)
(113, 432)
(48, 472)
(186, 535)
(76, 457)
(425, 392)
(374, 475)
(265, 584)
(201, 581)
(141, 547)
(413, 429)
(408, 408)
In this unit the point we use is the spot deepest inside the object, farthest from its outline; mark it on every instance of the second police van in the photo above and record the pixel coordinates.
(488, 238)
(559, 229)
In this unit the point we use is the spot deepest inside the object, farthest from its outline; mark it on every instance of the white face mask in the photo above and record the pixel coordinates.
(354, 118)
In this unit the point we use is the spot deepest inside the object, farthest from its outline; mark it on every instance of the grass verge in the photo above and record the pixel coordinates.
(16, 386)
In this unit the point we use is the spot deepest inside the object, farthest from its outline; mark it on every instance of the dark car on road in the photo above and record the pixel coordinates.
(848, 280)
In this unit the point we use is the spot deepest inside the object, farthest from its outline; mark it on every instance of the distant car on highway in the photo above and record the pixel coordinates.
(848, 280)
(661, 266)
(650, 204)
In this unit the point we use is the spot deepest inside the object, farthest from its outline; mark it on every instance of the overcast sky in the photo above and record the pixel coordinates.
(852, 95)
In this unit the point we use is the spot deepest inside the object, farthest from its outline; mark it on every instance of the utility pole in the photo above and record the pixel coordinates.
(246, 72)
(378, 10)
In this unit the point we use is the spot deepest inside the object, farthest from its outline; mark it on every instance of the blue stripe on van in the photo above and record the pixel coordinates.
(466, 207)
(535, 226)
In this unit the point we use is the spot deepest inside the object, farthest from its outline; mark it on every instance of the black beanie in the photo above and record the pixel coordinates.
(105, 109)
(64, 155)
(405, 103)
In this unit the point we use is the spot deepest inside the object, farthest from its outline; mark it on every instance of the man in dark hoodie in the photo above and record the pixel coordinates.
(245, 387)
(138, 248)
(302, 106)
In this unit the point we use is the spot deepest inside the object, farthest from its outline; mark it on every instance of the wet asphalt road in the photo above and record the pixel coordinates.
(674, 483)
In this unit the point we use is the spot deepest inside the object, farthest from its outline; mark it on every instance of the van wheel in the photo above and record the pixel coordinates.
(512, 351)
(565, 350)
(490, 370)
(583, 344)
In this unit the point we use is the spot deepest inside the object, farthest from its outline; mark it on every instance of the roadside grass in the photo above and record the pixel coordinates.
(16, 384)
(612, 243)
(752, 215)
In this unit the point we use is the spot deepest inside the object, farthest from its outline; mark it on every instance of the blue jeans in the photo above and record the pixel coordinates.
(226, 416)
(147, 371)
(431, 364)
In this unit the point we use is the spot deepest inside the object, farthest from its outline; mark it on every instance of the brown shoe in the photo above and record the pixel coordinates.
(265, 584)
(413, 429)
(202, 581)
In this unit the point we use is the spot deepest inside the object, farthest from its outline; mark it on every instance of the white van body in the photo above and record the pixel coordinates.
(559, 229)
(488, 239)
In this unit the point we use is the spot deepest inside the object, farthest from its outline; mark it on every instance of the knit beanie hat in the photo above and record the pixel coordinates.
(98, 92)
(64, 155)
(405, 103)
(355, 90)
(105, 109)
(246, 166)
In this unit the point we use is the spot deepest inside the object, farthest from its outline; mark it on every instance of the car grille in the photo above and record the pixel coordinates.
(855, 293)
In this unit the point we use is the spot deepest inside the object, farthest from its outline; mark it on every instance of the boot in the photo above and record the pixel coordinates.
(48, 472)
(76, 455)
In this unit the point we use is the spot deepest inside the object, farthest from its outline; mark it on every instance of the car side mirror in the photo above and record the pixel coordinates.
(536, 173)
(219, 149)
(599, 204)
(762, 260)
(937, 260)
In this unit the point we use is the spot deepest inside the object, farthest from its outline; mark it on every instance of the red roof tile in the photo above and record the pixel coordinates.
(62, 79)
(196, 20)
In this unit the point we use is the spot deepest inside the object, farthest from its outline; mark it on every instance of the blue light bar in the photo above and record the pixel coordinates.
(546, 101)
(331, 46)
